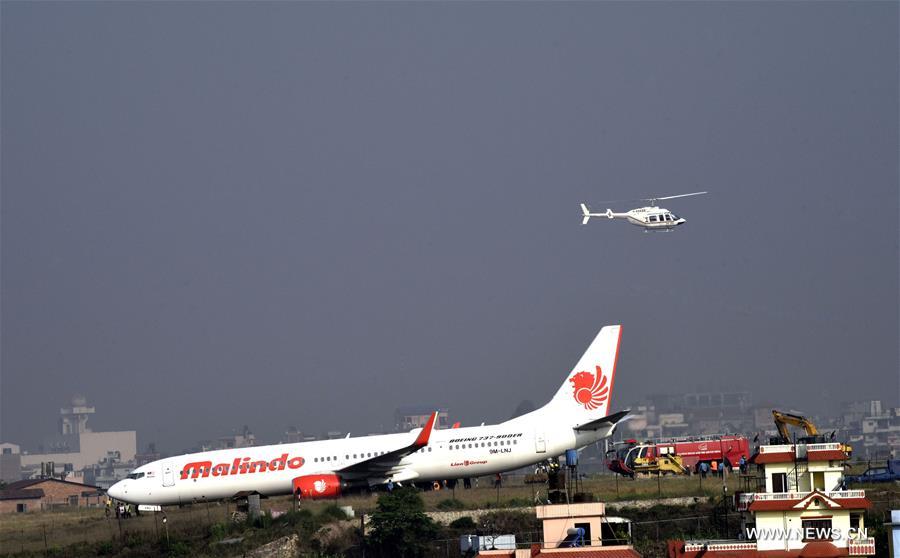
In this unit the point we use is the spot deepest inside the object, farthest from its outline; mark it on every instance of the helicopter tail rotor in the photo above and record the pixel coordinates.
(609, 214)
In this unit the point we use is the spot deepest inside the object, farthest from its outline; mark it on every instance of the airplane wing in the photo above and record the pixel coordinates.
(605, 422)
(388, 464)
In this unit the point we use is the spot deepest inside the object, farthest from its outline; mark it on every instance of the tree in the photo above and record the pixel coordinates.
(400, 527)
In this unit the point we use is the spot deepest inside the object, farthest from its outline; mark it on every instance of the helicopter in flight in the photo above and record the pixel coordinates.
(650, 218)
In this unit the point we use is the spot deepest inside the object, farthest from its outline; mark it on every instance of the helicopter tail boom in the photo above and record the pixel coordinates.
(586, 214)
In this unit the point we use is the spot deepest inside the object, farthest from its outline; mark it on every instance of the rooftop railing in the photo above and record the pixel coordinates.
(744, 499)
(789, 448)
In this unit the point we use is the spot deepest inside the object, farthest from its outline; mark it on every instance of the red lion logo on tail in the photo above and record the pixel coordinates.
(590, 391)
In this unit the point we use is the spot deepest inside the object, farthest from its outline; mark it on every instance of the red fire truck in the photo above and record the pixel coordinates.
(692, 452)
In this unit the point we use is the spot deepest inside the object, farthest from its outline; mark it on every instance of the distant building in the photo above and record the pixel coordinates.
(762, 418)
(245, 439)
(881, 434)
(76, 446)
(149, 456)
(73, 420)
(10, 463)
(407, 418)
(44, 494)
(642, 423)
(672, 425)
(292, 435)
(852, 412)
(733, 401)
(645, 423)
(707, 413)
(108, 471)
(872, 429)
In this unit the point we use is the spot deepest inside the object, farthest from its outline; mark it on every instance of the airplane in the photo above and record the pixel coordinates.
(574, 418)
(651, 218)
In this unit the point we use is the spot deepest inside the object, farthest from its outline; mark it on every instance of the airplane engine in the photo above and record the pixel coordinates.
(313, 487)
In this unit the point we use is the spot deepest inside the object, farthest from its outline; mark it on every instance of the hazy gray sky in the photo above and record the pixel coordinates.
(310, 213)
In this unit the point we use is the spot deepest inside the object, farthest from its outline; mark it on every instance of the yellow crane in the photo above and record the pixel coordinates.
(782, 420)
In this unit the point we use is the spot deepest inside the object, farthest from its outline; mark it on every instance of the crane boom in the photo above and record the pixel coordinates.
(784, 419)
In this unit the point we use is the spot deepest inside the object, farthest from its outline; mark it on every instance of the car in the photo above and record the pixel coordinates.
(878, 474)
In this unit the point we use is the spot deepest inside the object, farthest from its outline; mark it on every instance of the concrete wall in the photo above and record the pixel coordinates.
(10, 467)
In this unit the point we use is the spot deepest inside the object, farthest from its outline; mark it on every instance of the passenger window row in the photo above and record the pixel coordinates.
(364, 455)
(484, 444)
(662, 218)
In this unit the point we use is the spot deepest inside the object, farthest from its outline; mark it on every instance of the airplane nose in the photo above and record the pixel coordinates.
(116, 491)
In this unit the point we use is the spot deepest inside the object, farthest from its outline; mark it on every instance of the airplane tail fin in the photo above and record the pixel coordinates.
(586, 213)
(585, 395)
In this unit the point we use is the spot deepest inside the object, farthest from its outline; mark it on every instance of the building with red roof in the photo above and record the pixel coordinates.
(801, 508)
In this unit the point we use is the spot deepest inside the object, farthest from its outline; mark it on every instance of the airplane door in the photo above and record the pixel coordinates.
(168, 474)
(540, 442)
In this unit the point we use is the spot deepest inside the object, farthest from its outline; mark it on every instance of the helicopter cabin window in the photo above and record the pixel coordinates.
(653, 218)
(668, 217)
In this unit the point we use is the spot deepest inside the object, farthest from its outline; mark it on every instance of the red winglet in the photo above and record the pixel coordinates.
(425, 434)
(455, 425)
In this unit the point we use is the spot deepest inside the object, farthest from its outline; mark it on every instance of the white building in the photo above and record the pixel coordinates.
(801, 509)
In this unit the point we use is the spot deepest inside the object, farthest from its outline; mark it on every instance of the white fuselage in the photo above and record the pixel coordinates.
(450, 454)
(651, 218)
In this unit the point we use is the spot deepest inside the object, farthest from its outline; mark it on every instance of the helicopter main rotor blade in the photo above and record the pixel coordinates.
(601, 202)
(673, 197)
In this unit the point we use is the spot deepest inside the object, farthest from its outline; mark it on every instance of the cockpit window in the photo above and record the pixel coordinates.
(674, 217)
(135, 476)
